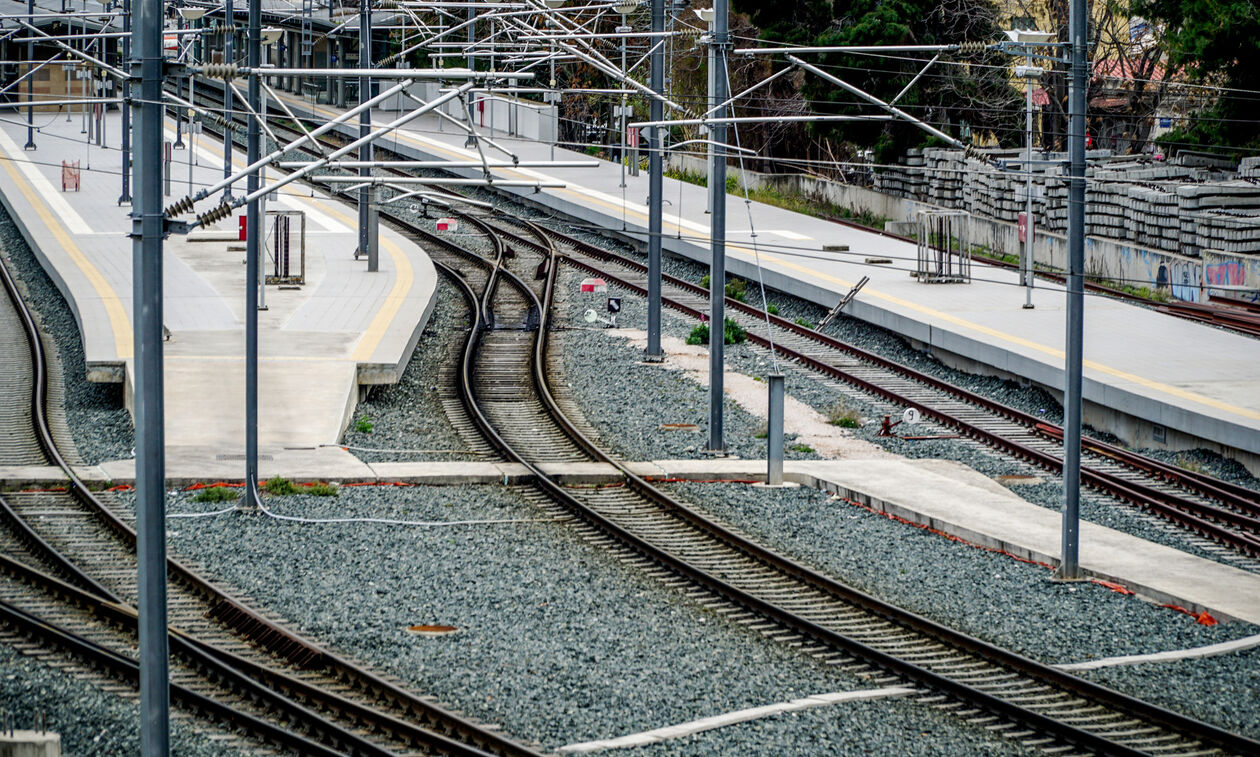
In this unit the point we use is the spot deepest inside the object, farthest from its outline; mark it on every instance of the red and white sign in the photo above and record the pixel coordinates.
(632, 137)
(594, 285)
(1027, 228)
(447, 224)
(69, 176)
(242, 224)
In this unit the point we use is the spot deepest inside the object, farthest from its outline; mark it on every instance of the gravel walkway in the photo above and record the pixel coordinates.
(558, 641)
(100, 424)
(89, 719)
(631, 425)
(629, 419)
(996, 598)
(407, 418)
(891, 345)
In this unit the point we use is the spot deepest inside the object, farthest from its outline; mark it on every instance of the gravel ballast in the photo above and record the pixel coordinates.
(405, 421)
(558, 642)
(629, 419)
(91, 721)
(996, 598)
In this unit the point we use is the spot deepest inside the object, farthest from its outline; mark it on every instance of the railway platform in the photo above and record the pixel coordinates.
(1150, 378)
(321, 336)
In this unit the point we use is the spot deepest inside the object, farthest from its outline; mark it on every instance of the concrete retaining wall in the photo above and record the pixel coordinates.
(512, 116)
(1186, 277)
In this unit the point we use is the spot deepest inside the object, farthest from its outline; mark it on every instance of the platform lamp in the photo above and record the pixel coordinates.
(625, 8)
(707, 15)
(553, 97)
(1028, 39)
(188, 14)
(269, 35)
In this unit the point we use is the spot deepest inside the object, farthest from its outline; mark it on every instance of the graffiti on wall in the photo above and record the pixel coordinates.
(1180, 278)
(1222, 271)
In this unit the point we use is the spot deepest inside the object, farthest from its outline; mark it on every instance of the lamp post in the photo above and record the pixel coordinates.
(190, 14)
(552, 97)
(1028, 38)
(624, 8)
(706, 15)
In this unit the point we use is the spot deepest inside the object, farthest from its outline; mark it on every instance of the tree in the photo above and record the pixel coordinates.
(972, 87)
(1214, 43)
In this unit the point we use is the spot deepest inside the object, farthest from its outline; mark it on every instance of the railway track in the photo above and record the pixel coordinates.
(506, 379)
(1226, 514)
(505, 385)
(1221, 518)
(250, 666)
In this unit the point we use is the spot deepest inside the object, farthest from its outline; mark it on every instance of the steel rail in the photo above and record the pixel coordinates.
(1200, 517)
(794, 622)
(129, 670)
(1173, 508)
(1236, 315)
(1063, 681)
(126, 617)
(1245, 500)
(235, 614)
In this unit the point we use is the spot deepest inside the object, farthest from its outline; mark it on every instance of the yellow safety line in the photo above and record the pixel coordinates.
(404, 277)
(892, 299)
(118, 320)
(261, 358)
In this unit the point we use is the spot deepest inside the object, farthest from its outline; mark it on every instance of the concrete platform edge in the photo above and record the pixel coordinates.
(805, 473)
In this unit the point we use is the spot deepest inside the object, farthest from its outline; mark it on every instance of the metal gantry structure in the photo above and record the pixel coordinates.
(506, 47)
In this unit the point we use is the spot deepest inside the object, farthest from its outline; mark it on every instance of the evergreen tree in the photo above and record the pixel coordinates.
(1214, 42)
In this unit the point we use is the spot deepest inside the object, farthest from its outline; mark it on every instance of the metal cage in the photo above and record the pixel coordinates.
(944, 247)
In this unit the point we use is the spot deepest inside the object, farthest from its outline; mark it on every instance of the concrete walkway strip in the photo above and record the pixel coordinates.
(731, 718)
(1211, 650)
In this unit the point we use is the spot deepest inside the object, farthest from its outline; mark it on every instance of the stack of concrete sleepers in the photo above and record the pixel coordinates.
(1223, 216)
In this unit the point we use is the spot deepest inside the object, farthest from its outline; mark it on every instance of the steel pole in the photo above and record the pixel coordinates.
(655, 187)
(623, 141)
(717, 231)
(1069, 567)
(229, 56)
(712, 68)
(125, 196)
(179, 112)
(471, 62)
(365, 127)
(30, 85)
(774, 431)
(146, 261)
(1027, 267)
(253, 236)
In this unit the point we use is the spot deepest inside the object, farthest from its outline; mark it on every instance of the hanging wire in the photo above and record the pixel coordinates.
(761, 280)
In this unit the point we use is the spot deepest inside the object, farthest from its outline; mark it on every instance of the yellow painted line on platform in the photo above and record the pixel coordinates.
(261, 358)
(404, 277)
(119, 323)
(587, 195)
